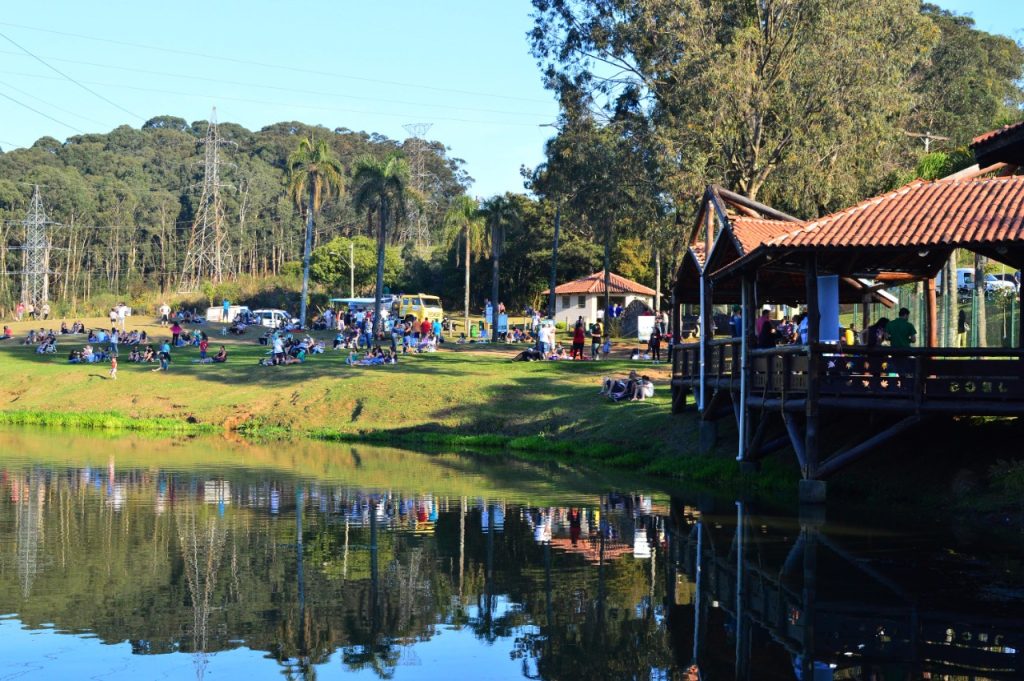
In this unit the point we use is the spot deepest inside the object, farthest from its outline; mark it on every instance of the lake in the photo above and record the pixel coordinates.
(126, 557)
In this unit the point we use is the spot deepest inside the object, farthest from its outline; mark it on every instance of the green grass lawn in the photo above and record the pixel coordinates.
(462, 389)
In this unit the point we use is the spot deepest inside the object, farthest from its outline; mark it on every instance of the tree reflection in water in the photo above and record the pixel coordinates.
(332, 576)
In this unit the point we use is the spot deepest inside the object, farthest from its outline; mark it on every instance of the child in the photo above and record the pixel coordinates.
(113, 367)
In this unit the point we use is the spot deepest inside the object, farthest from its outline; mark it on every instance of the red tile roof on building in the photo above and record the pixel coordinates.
(951, 212)
(752, 232)
(993, 134)
(595, 284)
(697, 250)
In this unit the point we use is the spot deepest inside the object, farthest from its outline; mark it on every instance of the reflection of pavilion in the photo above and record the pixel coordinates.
(754, 584)
(591, 550)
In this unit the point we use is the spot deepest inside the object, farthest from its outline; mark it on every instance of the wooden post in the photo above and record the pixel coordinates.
(932, 310)
(746, 295)
(705, 303)
(813, 370)
(1020, 319)
(677, 318)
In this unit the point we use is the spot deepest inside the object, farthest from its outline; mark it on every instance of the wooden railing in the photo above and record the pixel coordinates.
(722, 360)
(918, 374)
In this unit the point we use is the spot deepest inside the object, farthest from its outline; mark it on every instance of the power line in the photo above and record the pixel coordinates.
(56, 70)
(279, 88)
(332, 109)
(44, 115)
(50, 104)
(293, 69)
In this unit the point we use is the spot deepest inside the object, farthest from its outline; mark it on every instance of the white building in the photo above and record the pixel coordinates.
(585, 297)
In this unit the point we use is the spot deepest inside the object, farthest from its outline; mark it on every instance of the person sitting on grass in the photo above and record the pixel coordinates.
(8, 334)
(149, 355)
(427, 344)
(353, 358)
(529, 355)
(608, 382)
(135, 356)
(642, 389)
(221, 356)
(297, 357)
(30, 339)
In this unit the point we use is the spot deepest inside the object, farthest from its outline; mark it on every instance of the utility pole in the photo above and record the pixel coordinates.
(928, 138)
(204, 257)
(554, 262)
(417, 229)
(35, 277)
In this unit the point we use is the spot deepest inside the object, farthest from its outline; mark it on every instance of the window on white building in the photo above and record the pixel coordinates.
(581, 301)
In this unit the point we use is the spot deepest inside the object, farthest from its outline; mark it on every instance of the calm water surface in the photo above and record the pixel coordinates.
(135, 558)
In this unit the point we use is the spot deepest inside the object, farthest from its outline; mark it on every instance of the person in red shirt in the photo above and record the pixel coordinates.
(579, 338)
(425, 327)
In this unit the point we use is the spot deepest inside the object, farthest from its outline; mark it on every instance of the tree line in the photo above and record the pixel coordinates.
(808, 105)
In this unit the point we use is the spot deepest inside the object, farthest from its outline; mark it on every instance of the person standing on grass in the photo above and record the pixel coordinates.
(175, 333)
(165, 314)
(204, 343)
(596, 333)
(19, 310)
(113, 367)
(579, 337)
(655, 344)
(46, 311)
(122, 312)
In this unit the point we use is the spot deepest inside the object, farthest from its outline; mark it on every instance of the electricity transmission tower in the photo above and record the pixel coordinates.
(204, 257)
(416, 228)
(35, 275)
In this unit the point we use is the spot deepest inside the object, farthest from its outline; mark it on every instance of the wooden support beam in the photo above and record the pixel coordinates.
(932, 309)
(813, 370)
(796, 439)
(747, 322)
(766, 211)
(839, 461)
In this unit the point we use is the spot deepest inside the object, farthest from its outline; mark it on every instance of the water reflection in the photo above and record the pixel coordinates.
(535, 575)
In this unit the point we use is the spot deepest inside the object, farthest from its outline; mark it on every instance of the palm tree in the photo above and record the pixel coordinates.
(381, 184)
(463, 221)
(500, 213)
(314, 173)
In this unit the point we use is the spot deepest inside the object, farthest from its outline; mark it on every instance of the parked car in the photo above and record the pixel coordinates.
(1012, 278)
(965, 282)
(274, 319)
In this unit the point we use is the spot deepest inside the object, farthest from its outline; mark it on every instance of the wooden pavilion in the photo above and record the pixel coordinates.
(902, 236)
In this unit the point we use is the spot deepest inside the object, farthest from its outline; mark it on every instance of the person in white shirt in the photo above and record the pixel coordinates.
(165, 314)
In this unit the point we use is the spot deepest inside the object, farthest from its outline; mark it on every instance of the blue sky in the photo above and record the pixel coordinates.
(463, 66)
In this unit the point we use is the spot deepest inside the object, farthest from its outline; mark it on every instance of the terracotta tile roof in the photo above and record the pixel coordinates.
(595, 284)
(993, 134)
(697, 250)
(752, 232)
(961, 212)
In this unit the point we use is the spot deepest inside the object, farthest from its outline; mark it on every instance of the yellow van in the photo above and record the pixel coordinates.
(419, 306)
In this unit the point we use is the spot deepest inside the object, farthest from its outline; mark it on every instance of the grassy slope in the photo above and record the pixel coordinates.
(464, 389)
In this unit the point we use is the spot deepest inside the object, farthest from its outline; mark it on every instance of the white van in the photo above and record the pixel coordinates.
(965, 281)
(216, 314)
(274, 319)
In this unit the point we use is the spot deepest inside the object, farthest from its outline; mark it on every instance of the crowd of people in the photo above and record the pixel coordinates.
(769, 333)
